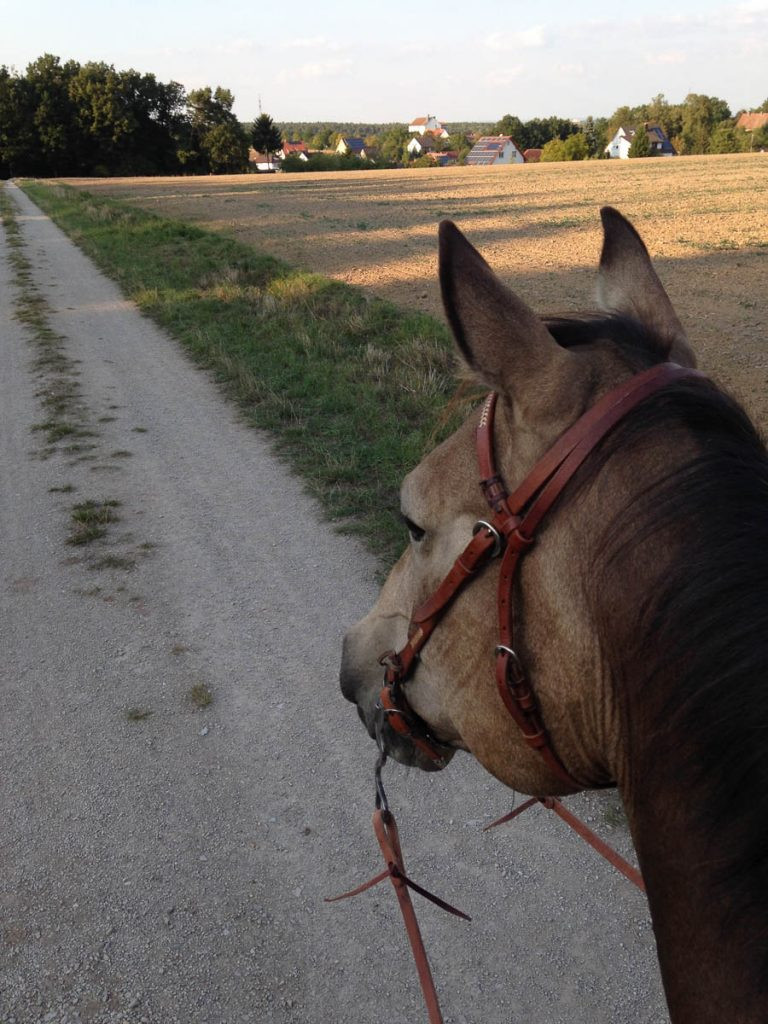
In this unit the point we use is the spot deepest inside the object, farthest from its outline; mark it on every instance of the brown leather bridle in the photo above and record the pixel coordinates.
(510, 532)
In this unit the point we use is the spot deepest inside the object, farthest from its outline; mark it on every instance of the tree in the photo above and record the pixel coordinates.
(575, 147)
(594, 135)
(460, 144)
(19, 149)
(700, 115)
(321, 139)
(724, 139)
(207, 148)
(54, 118)
(553, 150)
(511, 125)
(393, 145)
(226, 149)
(265, 135)
(641, 144)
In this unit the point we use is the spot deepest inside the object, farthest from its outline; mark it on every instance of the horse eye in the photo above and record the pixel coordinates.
(415, 531)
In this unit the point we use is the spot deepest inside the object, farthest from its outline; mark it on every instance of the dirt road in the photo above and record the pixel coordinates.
(166, 863)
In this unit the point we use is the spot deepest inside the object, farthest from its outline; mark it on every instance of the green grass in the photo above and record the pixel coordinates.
(60, 393)
(137, 714)
(114, 562)
(353, 389)
(90, 520)
(200, 695)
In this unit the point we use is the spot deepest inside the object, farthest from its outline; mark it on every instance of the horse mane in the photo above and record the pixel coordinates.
(700, 665)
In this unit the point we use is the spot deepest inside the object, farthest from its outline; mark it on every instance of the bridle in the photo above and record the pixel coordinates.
(509, 532)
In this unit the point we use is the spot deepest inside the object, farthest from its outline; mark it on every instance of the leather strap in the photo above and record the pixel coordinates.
(385, 827)
(523, 511)
(578, 826)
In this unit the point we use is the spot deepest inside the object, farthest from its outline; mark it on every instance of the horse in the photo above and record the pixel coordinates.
(638, 609)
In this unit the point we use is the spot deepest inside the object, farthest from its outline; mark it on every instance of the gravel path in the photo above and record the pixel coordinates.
(171, 867)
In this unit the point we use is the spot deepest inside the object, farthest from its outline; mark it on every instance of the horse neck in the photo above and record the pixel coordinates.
(708, 901)
(679, 595)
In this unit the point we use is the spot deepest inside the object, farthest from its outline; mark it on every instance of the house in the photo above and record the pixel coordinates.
(494, 149)
(299, 149)
(447, 158)
(355, 147)
(618, 147)
(428, 125)
(752, 122)
(532, 156)
(263, 163)
(421, 144)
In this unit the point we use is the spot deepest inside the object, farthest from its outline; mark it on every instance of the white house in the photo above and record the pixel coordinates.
(421, 144)
(494, 149)
(263, 162)
(353, 146)
(428, 125)
(618, 147)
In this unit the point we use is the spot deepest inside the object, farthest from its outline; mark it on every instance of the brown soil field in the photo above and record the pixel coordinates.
(704, 219)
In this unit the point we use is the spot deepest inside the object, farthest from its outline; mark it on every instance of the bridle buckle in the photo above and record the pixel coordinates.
(498, 540)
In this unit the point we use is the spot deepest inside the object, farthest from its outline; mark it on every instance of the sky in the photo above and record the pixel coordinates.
(334, 60)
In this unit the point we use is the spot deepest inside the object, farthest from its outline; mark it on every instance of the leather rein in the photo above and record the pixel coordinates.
(509, 532)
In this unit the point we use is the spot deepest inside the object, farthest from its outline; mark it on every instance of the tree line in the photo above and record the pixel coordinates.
(72, 119)
(90, 119)
(699, 125)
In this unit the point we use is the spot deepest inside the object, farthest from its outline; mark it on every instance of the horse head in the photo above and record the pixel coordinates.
(546, 373)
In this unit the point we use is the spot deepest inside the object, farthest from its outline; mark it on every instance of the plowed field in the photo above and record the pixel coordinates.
(704, 219)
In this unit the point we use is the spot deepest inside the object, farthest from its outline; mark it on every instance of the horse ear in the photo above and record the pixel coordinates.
(627, 283)
(500, 337)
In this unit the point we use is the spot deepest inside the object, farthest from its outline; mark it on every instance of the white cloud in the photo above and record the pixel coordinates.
(504, 76)
(747, 14)
(235, 46)
(526, 39)
(319, 43)
(317, 69)
(571, 70)
(673, 57)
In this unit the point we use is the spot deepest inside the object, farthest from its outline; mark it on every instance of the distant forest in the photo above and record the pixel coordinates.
(71, 119)
(309, 129)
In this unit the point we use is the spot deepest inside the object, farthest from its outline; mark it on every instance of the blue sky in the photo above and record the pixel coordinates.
(336, 60)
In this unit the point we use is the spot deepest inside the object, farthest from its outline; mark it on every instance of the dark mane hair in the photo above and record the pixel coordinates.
(700, 664)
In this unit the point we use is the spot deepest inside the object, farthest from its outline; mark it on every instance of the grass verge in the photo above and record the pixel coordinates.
(353, 389)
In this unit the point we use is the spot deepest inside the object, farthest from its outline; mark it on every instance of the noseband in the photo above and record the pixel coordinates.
(509, 531)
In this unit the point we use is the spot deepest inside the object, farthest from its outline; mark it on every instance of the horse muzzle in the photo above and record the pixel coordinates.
(364, 691)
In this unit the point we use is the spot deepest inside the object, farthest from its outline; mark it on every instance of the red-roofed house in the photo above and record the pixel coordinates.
(532, 156)
(428, 125)
(751, 122)
(299, 149)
